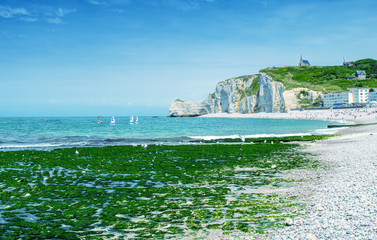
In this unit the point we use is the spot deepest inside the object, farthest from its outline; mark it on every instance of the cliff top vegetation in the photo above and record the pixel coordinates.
(326, 78)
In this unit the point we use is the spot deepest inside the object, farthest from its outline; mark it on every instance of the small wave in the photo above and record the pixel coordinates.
(39, 145)
(208, 138)
(327, 131)
(110, 140)
(249, 136)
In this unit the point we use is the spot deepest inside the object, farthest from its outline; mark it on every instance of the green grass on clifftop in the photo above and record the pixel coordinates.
(325, 79)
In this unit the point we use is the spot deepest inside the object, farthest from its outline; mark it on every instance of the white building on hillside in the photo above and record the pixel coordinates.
(360, 75)
(303, 62)
(337, 99)
(354, 95)
(360, 95)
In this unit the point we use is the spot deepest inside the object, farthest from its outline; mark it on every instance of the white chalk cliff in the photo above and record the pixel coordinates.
(247, 94)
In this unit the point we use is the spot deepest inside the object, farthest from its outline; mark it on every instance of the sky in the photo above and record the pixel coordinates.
(135, 57)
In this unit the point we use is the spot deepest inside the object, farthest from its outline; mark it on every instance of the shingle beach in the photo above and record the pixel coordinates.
(341, 198)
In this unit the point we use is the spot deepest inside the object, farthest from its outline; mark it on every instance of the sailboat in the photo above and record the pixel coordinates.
(131, 119)
(137, 120)
(112, 120)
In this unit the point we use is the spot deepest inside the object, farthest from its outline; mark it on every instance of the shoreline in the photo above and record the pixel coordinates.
(351, 115)
(340, 198)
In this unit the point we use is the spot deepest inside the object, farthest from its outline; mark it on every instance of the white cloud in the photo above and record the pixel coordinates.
(24, 15)
(56, 20)
(61, 12)
(29, 19)
(7, 12)
(108, 2)
(94, 2)
(185, 5)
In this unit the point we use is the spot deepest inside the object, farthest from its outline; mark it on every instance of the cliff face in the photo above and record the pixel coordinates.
(247, 94)
(188, 109)
(271, 97)
(234, 95)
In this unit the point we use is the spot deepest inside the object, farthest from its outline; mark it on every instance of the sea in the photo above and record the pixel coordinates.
(41, 133)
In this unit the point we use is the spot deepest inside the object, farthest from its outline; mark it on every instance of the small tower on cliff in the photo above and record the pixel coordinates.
(303, 62)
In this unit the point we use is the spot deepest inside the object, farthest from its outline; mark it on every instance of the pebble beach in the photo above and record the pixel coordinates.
(341, 197)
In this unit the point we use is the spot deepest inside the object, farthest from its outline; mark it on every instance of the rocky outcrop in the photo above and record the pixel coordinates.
(246, 94)
(236, 95)
(181, 108)
(271, 97)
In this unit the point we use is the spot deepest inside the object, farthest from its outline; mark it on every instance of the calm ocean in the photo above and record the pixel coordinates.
(49, 133)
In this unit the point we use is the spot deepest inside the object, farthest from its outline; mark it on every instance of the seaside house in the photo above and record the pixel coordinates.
(354, 95)
(360, 95)
(337, 99)
(303, 62)
(360, 75)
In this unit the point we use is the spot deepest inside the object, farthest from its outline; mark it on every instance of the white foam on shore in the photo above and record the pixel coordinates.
(40, 145)
(328, 131)
(208, 138)
(323, 131)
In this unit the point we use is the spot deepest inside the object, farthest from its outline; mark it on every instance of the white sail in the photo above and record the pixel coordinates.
(112, 120)
(131, 119)
(137, 120)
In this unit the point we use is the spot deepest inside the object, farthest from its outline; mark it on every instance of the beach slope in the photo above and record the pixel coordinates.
(341, 200)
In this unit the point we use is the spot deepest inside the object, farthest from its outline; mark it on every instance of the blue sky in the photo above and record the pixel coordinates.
(134, 57)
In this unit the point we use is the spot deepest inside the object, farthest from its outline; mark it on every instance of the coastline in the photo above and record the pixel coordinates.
(340, 198)
(351, 115)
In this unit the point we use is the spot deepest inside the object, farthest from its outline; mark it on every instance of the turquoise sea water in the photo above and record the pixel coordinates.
(48, 133)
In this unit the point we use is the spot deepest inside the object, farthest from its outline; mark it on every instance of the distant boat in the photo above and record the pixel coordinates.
(112, 120)
(137, 120)
(131, 119)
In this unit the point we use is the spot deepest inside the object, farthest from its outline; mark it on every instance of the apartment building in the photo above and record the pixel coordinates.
(354, 95)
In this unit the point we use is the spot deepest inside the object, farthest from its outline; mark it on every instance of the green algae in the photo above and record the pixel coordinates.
(145, 192)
